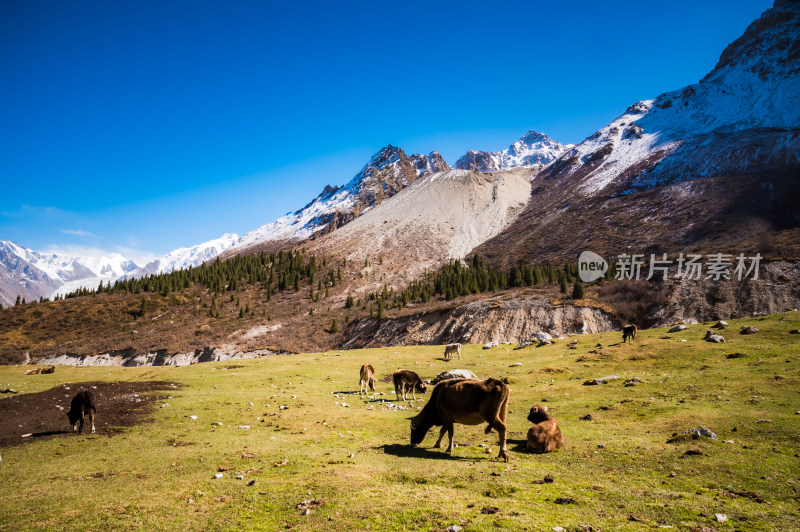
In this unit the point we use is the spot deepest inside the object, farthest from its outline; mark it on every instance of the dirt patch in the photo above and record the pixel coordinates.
(119, 405)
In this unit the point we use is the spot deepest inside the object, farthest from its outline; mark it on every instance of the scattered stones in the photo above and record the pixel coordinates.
(243, 426)
(633, 382)
(713, 338)
(548, 479)
(239, 477)
(672, 474)
(678, 328)
(308, 505)
(565, 500)
(749, 330)
(33, 371)
(721, 324)
(165, 405)
(192, 417)
(693, 452)
(601, 446)
(523, 344)
(218, 423)
(544, 342)
(252, 482)
(515, 364)
(489, 510)
(601, 380)
(283, 407)
(735, 355)
(454, 528)
(764, 421)
(219, 475)
(490, 345)
(8, 390)
(587, 417)
(794, 331)
(721, 518)
(586, 528)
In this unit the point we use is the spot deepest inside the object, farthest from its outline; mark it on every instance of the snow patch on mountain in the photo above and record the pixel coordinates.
(184, 258)
(742, 117)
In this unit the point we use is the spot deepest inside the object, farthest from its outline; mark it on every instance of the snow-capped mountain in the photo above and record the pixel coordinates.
(387, 172)
(717, 161)
(532, 149)
(33, 275)
(183, 258)
(743, 117)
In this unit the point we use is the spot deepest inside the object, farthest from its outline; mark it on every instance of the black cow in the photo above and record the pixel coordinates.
(82, 403)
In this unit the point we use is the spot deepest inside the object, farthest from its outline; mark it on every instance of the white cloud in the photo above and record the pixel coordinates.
(79, 232)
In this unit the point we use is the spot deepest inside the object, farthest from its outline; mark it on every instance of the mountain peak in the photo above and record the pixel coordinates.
(532, 149)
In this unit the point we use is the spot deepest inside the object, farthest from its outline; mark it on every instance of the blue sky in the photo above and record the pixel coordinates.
(144, 126)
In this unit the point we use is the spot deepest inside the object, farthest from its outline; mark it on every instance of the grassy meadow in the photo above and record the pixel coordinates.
(617, 471)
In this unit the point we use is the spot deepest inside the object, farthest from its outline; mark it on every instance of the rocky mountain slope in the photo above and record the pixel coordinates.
(389, 171)
(440, 217)
(532, 149)
(716, 161)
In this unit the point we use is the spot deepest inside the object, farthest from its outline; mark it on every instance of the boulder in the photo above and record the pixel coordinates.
(678, 328)
(749, 330)
(455, 374)
(721, 324)
(601, 380)
(541, 336)
(714, 338)
(701, 431)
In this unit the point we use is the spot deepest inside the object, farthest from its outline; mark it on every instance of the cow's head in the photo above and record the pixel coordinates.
(418, 431)
(73, 419)
(421, 386)
(538, 414)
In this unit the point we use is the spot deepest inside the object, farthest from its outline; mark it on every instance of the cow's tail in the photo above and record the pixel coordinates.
(501, 392)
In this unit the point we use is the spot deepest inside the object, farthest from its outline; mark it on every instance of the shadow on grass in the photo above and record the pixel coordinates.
(406, 451)
(519, 446)
(49, 433)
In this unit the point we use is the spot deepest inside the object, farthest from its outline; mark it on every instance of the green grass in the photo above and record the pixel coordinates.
(144, 477)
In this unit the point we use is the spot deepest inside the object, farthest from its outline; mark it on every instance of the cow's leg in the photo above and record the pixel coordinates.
(450, 432)
(441, 436)
(372, 384)
(80, 428)
(459, 352)
(91, 419)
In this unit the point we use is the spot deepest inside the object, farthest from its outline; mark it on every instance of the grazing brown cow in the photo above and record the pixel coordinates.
(367, 379)
(544, 436)
(82, 403)
(449, 349)
(404, 380)
(469, 402)
(629, 331)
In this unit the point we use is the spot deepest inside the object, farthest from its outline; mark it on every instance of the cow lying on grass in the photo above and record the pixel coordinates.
(469, 402)
(367, 379)
(82, 403)
(544, 436)
(451, 349)
(405, 380)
